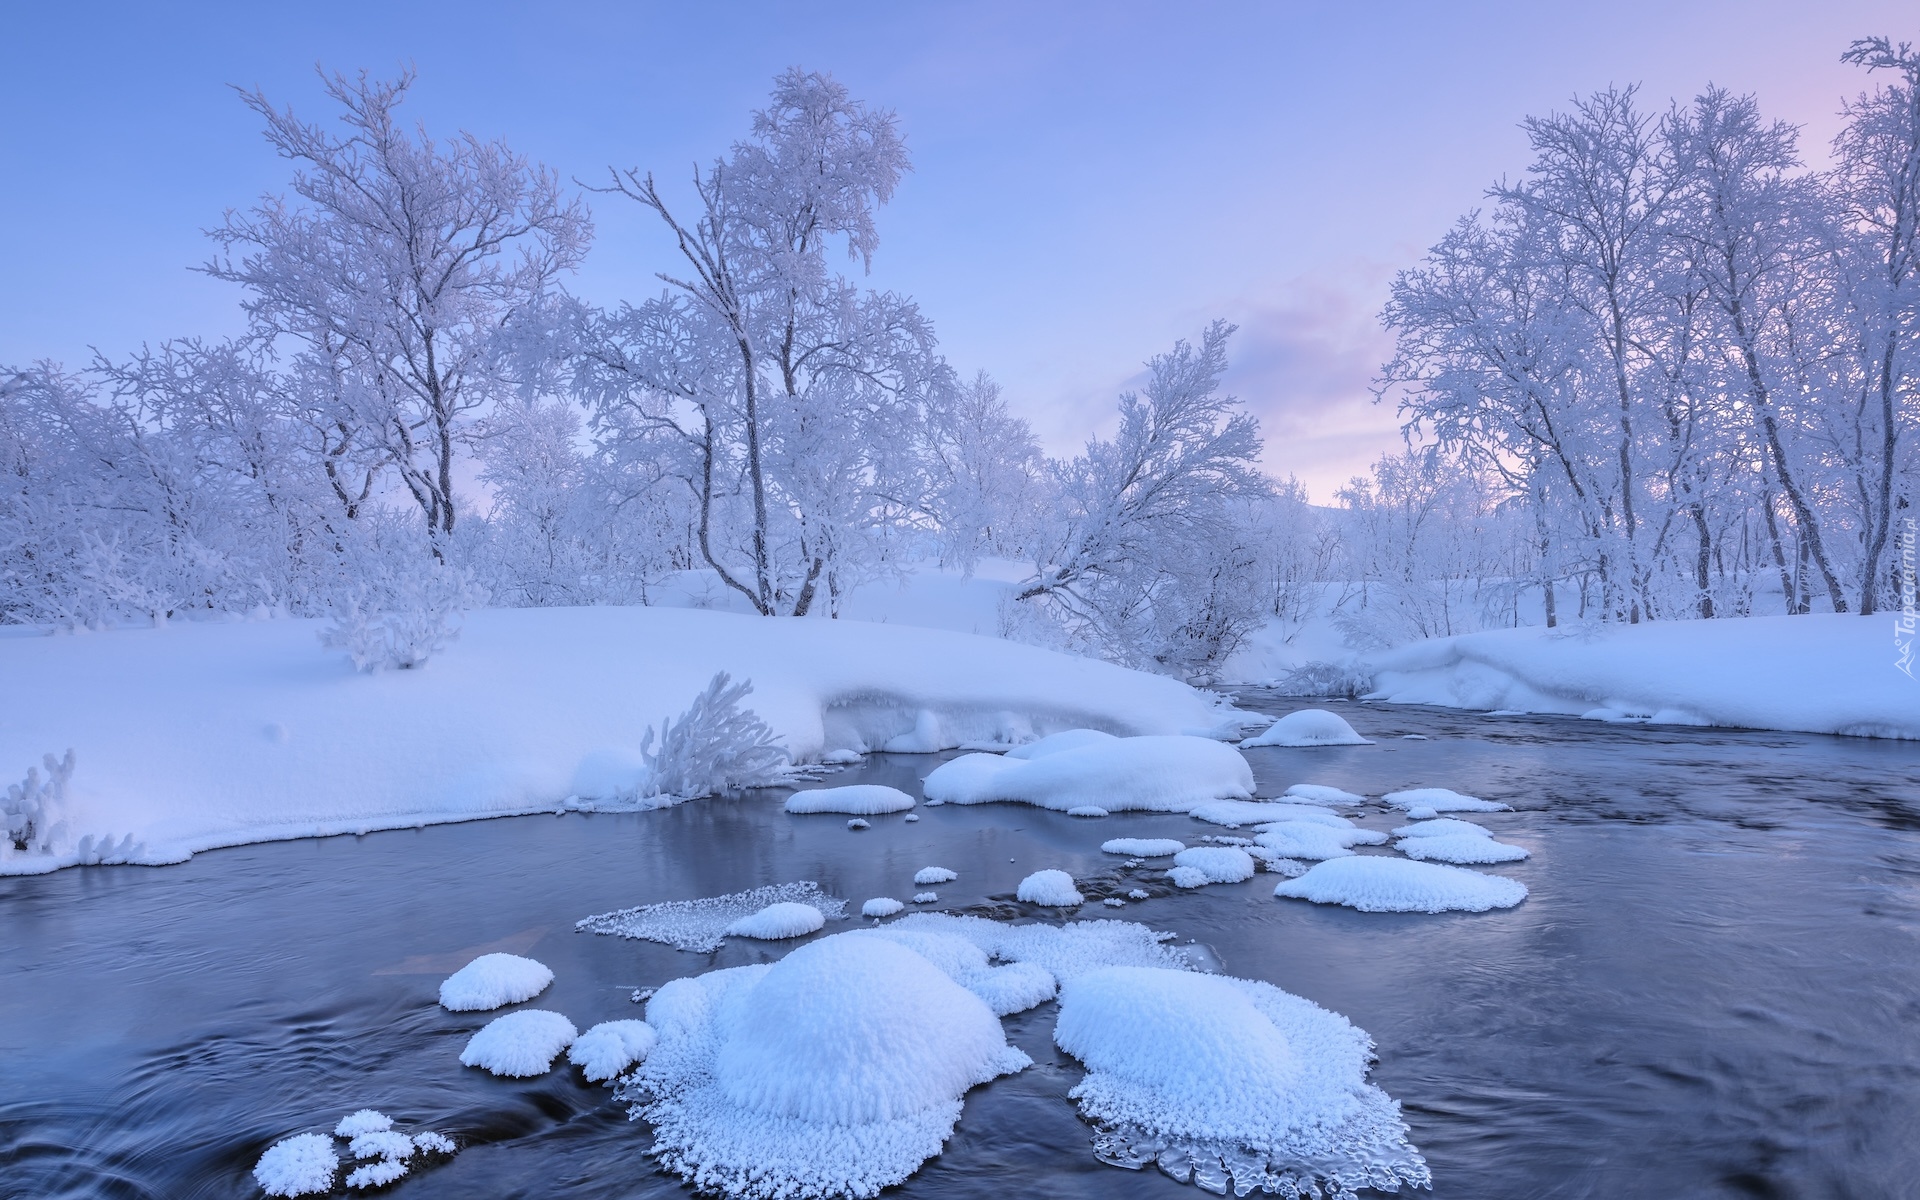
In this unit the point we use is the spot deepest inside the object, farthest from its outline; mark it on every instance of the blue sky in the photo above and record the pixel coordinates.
(1091, 180)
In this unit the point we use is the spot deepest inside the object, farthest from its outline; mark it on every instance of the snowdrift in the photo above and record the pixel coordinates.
(1819, 673)
(194, 735)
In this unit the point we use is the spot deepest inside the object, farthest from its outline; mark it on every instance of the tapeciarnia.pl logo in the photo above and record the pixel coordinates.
(1903, 625)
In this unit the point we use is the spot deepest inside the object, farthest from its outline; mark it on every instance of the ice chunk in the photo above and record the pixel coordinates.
(1049, 887)
(1308, 727)
(520, 1044)
(881, 906)
(1088, 810)
(365, 1120)
(610, 1047)
(1379, 884)
(1220, 864)
(700, 925)
(925, 897)
(926, 875)
(910, 817)
(1422, 813)
(302, 1165)
(836, 1071)
(1463, 849)
(860, 799)
(1442, 827)
(858, 823)
(1114, 902)
(787, 919)
(1320, 793)
(1161, 774)
(1224, 1077)
(1054, 743)
(1235, 813)
(493, 981)
(1139, 894)
(1143, 847)
(1440, 800)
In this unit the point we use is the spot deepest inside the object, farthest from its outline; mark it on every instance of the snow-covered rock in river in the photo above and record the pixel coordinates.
(1302, 839)
(881, 906)
(1235, 813)
(1308, 727)
(1320, 793)
(610, 1047)
(361, 1121)
(1143, 847)
(1160, 774)
(521, 1044)
(926, 875)
(1049, 887)
(1440, 800)
(1220, 864)
(860, 799)
(1442, 827)
(1461, 849)
(494, 981)
(926, 897)
(1379, 884)
(1188, 877)
(836, 1071)
(302, 1165)
(775, 922)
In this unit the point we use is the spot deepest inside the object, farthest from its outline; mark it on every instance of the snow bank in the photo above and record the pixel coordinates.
(1220, 864)
(776, 922)
(197, 735)
(520, 1044)
(1049, 887)
(1461, 849)
(1440, 800)
(1143, 847)
(1442, 827)
(881, 906)
(836, 1071)
(701, 925)
(610, 1047)
(926, 875)
(494, 981)
(302, 1165)
(1161, 774)
(865, 799)
(1824, 673)
(1217, 1077)
(1235, 813)
(1320, 793)
(1308, 727)
(1378, 884)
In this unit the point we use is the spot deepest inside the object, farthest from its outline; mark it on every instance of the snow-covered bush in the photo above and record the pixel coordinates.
(1325, 680)
(403, 604)
(33, 805)
(715, 746)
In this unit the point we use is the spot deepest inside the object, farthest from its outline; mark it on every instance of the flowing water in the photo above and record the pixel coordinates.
(1713, 990)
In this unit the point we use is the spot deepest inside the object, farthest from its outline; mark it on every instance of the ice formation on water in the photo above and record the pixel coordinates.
(1320, 793)
(860, 799)
(1442, 827)
(377, 1174)
(364, 1120)
(1308, 727)
(1161, 774)
(834, 1072)
(1143, 847)
(1014, 987)
(610, 1047)
(1279, 864)
(307, 1163)
(1049, 887)
(1231, 1083)
(701, 925)
(1114, 902)
(911, 817)
(1297, 839)
(926, 875)
(302, 1165)
(1464, 849)
(1139, 894)
(1235, 813)
(1422, 813)
(1376, 883)
(1088, 810)
(881, 906)
(1188, 877)
(925, 897)
(1220, 864)
(858, 823)
(521, 1044)
(1440, 800)
(787, 919)
(494, 981)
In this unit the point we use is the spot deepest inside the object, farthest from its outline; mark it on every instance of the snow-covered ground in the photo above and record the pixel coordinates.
(197, 735)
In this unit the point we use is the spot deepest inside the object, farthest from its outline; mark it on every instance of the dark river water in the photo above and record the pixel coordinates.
(1713, 990)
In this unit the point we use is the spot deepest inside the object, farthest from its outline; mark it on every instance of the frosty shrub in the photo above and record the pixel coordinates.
(403, 606)
(1325, 679)
(32, 805)
(714, 746)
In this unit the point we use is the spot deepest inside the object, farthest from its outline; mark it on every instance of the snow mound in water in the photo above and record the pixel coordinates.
(925, 897)
(1464, 849)
(493, 981)
(1049, 887)
(1220, 864)
(1320, 793)
(1066, 951)
(1442, 827)
(1054, 743)
(1188, 877)
(1297, 839)
(1440, 800)
(364, 1120)
(701, 925)
(881, 906)
(1143, 847)
(860, 799)
(1379, 884)
(1235, 813)
(521, 1044)
(926, 875)
(1013, 988)
(611, 1047)
(377, 1174)
(1308, 727)
(834, 1072)
(1231, 1082)
(786, 919)
(1160, 774)
(302, 1165)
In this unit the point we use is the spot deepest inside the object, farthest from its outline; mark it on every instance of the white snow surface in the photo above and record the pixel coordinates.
(377, 1174)
(1235, 813)
(861, 799)
(494, 981)
(203, 734)
(926, 897)
(365, 1120)
(1088, 810)
(776, 922)
(927, 875)
(1300, 839)
(1442, 827)
(1376, 883)
(1440, 800)
(1308, 727)
(1220, 864)
(1818, 673)
(1461, 849)
(1066, 739)
(1155, 773)
(1143, 847)
(881, 906)
(302, 1165)
(1320, 793)
(1188, 877)
(701, 925)
(1049, 887)
(610, 1047)
(521, 1044)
